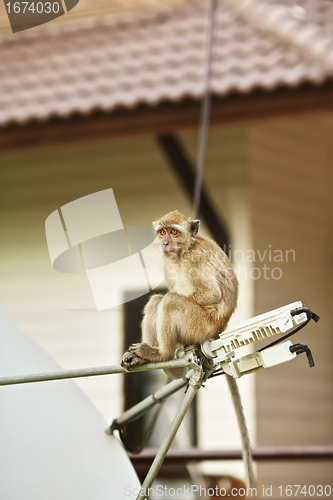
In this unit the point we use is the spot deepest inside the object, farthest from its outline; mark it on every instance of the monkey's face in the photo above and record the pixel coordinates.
(170, 241)
(175, 234)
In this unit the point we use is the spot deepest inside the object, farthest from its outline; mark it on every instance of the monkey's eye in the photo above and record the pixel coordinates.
(162, 232)
(174, 231)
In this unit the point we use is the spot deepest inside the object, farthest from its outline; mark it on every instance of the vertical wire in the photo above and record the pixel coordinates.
(205, 115)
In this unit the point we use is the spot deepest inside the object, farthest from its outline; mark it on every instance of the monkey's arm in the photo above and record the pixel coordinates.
(205, 296)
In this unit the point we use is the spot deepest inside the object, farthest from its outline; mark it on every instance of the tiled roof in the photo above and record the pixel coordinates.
(156, 58)
(94, 9)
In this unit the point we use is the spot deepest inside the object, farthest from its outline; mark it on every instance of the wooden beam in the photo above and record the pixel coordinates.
(272, 453)
(176, 459)
(182, 165)
(168, 117)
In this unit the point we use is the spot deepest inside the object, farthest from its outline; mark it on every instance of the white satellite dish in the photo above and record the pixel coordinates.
(52, 440)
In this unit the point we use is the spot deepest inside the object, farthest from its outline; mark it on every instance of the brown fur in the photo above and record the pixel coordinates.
(202, 295)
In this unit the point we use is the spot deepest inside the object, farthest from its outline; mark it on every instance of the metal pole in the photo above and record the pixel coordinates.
(147, 403)
(88, 372)
(194, 385)
(244, 433)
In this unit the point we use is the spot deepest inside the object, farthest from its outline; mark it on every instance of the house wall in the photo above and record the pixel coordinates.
(56, 309)
(289, 171)
(51, 307)
(284, 168)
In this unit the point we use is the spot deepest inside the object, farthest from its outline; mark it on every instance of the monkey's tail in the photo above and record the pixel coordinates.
(246, 445)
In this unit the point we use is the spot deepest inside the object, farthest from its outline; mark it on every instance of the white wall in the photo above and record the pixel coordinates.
(56, 309)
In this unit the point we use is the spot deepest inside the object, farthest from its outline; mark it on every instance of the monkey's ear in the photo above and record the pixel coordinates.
(194, 227)
(155, 224)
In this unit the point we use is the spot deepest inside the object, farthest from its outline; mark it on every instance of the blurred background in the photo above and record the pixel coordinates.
(109, 96)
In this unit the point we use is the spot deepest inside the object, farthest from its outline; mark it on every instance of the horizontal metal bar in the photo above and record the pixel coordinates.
(294, 453)
(88, 372)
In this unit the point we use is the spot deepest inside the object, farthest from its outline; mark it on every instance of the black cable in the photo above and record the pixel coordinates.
(299, 349)
(205, 113)
(295, 312)
(217, 373)
(307, 311)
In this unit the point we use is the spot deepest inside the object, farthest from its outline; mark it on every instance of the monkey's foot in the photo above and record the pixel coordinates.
(147, 352)
(131, 360)
(139, 354)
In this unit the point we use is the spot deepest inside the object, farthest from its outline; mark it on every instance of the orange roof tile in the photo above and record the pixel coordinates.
(156, 58)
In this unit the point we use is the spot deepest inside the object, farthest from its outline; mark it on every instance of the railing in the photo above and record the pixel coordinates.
(176, 460)
(271, 453)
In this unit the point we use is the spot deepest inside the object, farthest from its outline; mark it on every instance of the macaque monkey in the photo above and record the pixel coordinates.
(202, 294)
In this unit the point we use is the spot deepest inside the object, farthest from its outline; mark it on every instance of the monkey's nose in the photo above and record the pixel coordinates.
(166, 243)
